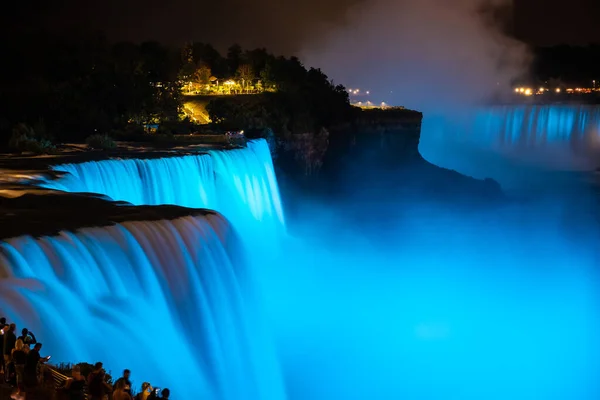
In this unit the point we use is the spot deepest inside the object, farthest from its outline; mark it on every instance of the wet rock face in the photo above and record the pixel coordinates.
(41, 213)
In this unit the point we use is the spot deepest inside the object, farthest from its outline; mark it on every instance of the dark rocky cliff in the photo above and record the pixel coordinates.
(385, 138)
(377, 154)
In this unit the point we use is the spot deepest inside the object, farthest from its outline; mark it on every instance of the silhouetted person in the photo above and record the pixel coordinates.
(27, 337)
(10, 340)
(74, 386)
(19, 359)
(126, 382)
(97, 386)
(33, 359)
(165, 393)
(153, 394)
(3, 329)
(119, 392)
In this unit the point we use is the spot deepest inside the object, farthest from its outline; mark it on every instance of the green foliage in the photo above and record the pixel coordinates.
(100, 142)
(25, 139)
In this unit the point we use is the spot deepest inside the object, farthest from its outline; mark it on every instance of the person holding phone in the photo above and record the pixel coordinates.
(33, 359)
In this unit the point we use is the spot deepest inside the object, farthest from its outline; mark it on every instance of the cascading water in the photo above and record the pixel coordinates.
(538, 125)
(516, 145)
(169, 299)
(240, 184)
(185, 181)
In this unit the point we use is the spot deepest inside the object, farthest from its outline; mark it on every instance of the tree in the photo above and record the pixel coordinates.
(203, 74)
(234, 58)
(267, 78)
(246, 74)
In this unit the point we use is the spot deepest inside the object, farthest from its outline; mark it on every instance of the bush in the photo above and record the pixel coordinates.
(86, 369)
(100, 142)
(24, 139)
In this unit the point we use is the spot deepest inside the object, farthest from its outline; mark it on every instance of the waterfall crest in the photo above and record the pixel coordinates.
(240, 184)
(536, 125)
(142, 182)
(171, 300)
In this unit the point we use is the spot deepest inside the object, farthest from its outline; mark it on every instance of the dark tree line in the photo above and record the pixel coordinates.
(70, 88)
(66, 88)
(305, 99)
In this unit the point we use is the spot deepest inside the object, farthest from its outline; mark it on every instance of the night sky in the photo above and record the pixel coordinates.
(279, 25)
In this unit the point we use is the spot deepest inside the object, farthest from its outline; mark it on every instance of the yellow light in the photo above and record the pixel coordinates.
(522, 90)
(542, 89)
(527, 92)
(557, 90)
(516, 90)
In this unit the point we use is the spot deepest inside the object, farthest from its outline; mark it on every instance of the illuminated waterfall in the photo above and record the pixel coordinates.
(171, 300)
(240, 184)
(516, 145)
(537, 125)
(185, 181)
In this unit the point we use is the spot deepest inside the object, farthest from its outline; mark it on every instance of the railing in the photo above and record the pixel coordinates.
(58, 378)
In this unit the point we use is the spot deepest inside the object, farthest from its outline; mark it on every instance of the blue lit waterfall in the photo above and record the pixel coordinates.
(176, 301)
(171, 300)
(516, 145)
(537, 125)
(241, 184)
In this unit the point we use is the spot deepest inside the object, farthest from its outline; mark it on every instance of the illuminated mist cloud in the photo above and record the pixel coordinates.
(422, 54)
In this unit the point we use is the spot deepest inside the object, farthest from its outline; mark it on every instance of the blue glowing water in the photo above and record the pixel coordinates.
(171, 300)
(164, 299)
(463, 307)
(143, 182)
(240, 184)
(514, 144)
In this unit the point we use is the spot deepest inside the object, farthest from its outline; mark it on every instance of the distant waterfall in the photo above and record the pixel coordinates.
(516, 144)
(171, 300)
(240, 184)
(537, 125)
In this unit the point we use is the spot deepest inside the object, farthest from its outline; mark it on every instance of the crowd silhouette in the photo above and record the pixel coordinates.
(27, 372)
